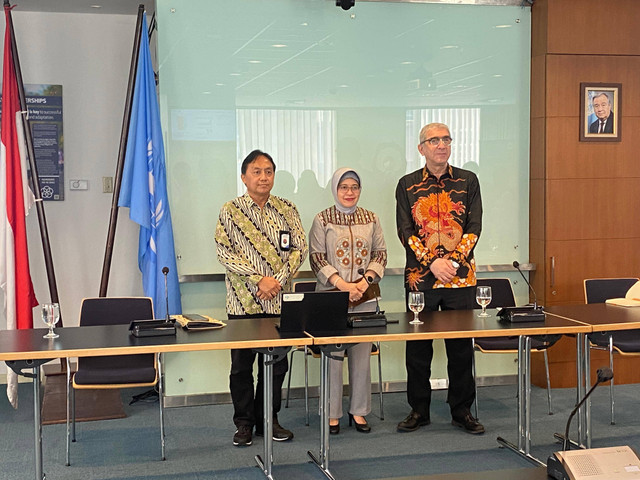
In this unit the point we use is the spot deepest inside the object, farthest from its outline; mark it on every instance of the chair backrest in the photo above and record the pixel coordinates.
(305, 286)
(115, 369)
(597, 290)
(114, 310)
(501, 292)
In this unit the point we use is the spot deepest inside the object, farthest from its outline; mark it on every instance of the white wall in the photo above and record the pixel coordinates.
(89, 56)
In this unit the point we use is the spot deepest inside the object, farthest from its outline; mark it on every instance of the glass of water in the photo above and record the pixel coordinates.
(416, 304)
(50, 316)
(483, 297)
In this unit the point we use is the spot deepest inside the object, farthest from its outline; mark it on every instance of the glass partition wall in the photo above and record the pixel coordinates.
(320, 88)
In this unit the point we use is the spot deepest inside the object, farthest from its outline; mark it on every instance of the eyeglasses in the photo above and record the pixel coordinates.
(435, 141)
(346, 188)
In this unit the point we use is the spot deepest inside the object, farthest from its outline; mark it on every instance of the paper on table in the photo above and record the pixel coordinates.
(631, 299)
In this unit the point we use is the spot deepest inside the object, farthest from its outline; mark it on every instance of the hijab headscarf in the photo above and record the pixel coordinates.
(340, 175)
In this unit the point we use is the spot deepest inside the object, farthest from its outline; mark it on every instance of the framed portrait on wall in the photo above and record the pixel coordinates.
(601, 112)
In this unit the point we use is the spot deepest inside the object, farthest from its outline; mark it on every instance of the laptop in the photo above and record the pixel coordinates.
(314, 312)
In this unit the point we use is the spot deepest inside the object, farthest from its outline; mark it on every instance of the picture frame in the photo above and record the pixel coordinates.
(600, 112)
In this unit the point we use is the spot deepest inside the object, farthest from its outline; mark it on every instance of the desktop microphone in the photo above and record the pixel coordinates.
(555, 467)
(610, 462)
(528, 313)
(604, 375)
(516, 265)
(165, 270)
(369, 281)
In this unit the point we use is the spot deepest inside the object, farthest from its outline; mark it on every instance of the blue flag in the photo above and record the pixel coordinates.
(144, 188)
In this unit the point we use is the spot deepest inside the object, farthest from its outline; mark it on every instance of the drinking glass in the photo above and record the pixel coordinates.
(483, 297)
(50, 316)
(416, 304)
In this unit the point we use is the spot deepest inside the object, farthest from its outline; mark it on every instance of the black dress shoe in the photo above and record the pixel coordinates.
(360, 427)
(334, 429)
(413, 422)
(468, 423)
(280, 434)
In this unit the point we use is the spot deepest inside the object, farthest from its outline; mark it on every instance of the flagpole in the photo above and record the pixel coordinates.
(113, 219)
(35, 183)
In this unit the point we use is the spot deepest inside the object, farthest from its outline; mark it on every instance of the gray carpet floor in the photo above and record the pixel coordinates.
(199, 440)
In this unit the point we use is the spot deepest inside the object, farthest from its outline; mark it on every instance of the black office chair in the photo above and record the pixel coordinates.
(310, 286)
(625, 342)
(120, 371)
(502, 296)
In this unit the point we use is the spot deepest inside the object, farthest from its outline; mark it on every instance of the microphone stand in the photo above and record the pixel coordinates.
(604, 375)
(516, 265)
(527, 313)
(555, 467)
(152, 395)
(165, 271)
(369, 281)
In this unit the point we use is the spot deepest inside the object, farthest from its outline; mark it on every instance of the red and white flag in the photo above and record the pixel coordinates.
(15, 200)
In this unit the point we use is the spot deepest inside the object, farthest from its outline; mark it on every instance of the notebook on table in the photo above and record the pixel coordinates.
(313, 312)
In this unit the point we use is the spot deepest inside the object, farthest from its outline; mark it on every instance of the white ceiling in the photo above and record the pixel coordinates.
(113, 7)
(130, 7)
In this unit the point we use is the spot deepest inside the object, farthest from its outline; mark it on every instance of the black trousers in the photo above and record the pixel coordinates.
(419, 354)
(247, 401)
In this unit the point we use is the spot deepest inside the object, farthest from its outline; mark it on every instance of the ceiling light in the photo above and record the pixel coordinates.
(278, 45)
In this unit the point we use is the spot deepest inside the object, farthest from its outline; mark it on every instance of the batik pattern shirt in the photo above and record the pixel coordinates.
(344, 243)
(439, 218)
(248, 244)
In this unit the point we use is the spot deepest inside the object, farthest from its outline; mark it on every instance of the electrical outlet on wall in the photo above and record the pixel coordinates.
(107, 184)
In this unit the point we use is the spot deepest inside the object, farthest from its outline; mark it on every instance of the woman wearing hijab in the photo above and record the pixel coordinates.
(345, 238)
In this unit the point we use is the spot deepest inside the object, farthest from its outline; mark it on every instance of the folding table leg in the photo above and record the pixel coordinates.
(524, 404)
(17, 366)
(323, 462)
(271, 356)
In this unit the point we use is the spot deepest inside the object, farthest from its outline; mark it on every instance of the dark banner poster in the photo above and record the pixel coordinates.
(44, 104)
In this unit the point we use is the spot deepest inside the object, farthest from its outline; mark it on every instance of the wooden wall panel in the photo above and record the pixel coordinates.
(592, 27)
(538, 85)
(590, 191)
(539, 13)
(576, 260)
(562, 366)
(537, 277)
(536, 209)
(567, 157)
(593, 209)
(565, 72)
(537, 149)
